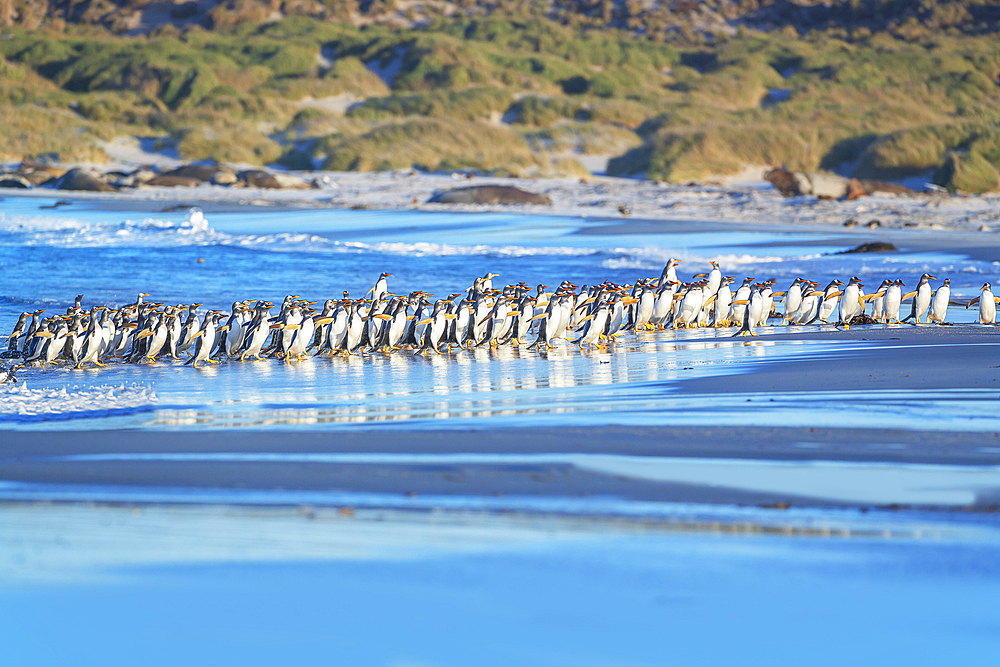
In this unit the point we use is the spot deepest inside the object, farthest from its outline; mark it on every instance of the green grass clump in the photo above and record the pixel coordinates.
(428, 144)
(222, 141)
(968, 172)
(891, 101)
(37, 131)
(469, 104)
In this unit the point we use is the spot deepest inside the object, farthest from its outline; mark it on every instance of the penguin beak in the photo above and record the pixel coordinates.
(425, 321)
(145, 333)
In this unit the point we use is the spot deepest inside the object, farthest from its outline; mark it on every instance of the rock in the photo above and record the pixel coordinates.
(224, 178)
(783, 181)
(166, 181)
(201, 172)
(874, 246)
(15, 181)
(84, 180)
(262, 179)
(858, 320)
(489, 194)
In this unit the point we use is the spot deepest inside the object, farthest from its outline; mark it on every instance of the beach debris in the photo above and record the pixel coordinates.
(489, 194)
(83, 180)
(874, 246)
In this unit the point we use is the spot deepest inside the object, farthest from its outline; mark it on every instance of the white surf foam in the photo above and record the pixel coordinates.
(18, 402)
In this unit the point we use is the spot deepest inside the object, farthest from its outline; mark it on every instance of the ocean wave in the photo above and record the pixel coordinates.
(18, 402)
(195, 231)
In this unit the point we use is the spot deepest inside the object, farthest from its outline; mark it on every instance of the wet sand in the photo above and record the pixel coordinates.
(897, 359)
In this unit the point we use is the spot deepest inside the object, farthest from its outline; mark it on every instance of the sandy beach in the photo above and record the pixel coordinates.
(504, 493)
(744, 200)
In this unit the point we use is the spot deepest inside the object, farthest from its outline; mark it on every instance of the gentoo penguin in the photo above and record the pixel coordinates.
(204, 339)
(664, 306)
(644, 307)
(940, 302)
(987, 305)
(94, 342)
(723, 303)
(767, 305)
(851, 304)
(752, 312)
(189, 328)
(691, 306)
(381, 287)
(740, 299)
(437, 325)
(878, 301)
(598, 319)
(921, 298)
(16, 333)
(257, 331)
(487, 283)
(793, 299)
(828, 302)
(891, 301)
(669, 273)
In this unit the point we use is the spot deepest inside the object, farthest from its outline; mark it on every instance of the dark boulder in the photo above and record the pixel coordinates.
(81, 179)
(874, 246)
(489, 194)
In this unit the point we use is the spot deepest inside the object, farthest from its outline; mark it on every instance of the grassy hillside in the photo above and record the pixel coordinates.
(914, 93)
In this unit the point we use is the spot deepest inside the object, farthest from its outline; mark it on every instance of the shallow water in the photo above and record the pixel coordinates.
(211, 585)
(254, 575)
(47, 257)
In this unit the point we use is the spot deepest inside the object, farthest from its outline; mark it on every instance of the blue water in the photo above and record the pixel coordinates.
(49, 256)
(218, 576)
(210, 587)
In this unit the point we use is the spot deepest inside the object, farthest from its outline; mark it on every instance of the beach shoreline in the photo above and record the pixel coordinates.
(749, 203)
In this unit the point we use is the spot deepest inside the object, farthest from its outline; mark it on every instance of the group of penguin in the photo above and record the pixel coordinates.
(482, 315)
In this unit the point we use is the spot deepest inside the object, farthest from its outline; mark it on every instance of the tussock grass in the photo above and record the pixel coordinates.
(428, 144)
(894, 102)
